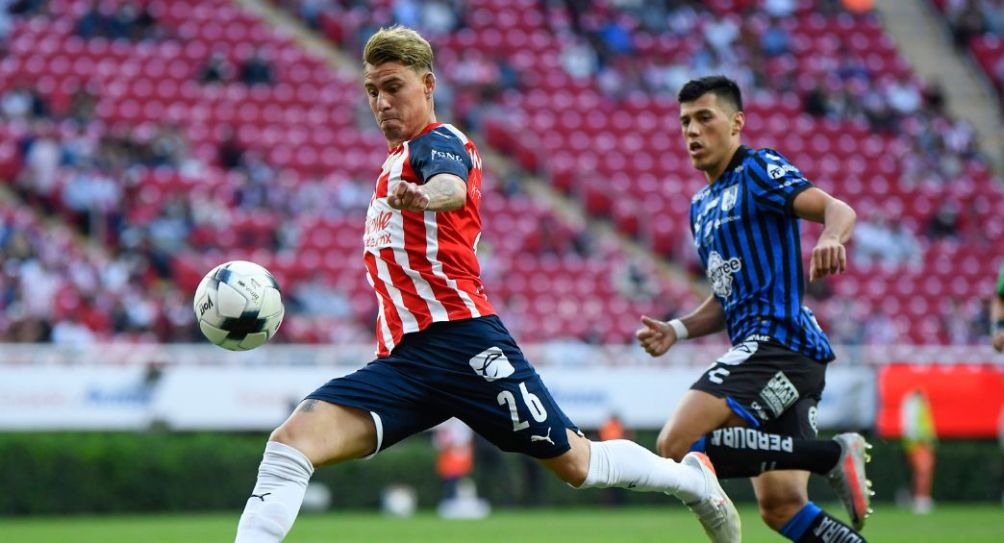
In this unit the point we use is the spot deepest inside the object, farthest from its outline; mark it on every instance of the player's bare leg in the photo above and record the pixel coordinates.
(317, 433)
(625, 464)
(327, 433)
(785, 507)
(697, 414)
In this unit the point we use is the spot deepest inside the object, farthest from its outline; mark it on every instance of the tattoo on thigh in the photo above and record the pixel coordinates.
(308, 405)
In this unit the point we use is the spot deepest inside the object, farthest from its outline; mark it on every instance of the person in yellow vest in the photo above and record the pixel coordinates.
(919, 438)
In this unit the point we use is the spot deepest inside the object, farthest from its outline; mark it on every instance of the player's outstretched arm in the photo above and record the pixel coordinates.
(829, 256)
(656, 336)
(442, 192)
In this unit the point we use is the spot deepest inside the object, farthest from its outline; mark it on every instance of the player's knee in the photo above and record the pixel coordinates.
(290, 436)
(283, 434)
(776, 511)
(669, 447)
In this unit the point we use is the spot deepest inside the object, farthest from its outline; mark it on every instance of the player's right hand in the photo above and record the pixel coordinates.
(409, 197)
(656, 337)
(998, 341)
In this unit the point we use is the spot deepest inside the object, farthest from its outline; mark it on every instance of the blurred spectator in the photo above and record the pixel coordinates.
(578, 58)
(216, 69)
(310, 11)
(816, 101)
(256, 69)
(903, 96)
(934, 97)
(231, 152)
(945, 222)
(440, 17)
(124, 22)
(23, 101)
(634, 282)
(919, 440)
(775, 40)
(966, 21)
(879, 329)
(82, 104)
(779, 8)
(874, 241)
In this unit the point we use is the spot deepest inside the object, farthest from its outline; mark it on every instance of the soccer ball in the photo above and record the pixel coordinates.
(238, 305)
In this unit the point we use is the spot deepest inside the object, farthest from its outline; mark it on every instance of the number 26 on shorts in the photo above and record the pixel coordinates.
(532, 402)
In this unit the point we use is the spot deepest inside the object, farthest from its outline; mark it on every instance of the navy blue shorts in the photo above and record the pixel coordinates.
(470, 369)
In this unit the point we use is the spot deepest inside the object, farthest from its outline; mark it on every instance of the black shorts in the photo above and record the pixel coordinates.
(771, 387)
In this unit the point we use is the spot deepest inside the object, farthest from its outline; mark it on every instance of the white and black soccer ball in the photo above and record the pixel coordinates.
(238, 305)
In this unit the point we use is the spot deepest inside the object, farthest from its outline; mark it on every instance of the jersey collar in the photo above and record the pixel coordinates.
(740, 155)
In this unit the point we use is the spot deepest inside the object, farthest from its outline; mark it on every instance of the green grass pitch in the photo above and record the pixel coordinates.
(975, 523)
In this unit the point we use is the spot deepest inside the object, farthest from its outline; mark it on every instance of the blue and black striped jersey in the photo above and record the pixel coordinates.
(748, 239)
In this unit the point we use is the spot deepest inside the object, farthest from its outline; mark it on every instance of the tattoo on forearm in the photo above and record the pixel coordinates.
(440, 191)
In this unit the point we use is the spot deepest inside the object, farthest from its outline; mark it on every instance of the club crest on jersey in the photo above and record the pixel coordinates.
(720, 272)
(729, 197)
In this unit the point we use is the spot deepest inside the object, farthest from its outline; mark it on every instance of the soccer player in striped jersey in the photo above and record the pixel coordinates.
(441, 350)
(753, 411)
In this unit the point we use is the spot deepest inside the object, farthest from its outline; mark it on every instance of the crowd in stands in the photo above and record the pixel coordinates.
(93, 175)
(978, 26)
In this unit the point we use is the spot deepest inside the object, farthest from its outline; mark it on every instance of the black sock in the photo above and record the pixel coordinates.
(813, 525)
(747, 452)
(826, 529)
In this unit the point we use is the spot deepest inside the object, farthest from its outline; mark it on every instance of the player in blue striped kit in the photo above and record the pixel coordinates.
(753, 411)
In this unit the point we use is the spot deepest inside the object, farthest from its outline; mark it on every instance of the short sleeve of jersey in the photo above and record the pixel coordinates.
(439, 151)
(1000, 281)
(774, 181)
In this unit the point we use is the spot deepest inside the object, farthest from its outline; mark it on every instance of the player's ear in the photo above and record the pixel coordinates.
(738, 121)
(429, 81)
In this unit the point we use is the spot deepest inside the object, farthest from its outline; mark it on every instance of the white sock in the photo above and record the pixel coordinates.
(625, 464)
(277, 496)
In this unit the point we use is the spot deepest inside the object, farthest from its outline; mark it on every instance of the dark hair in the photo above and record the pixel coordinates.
(724, 88)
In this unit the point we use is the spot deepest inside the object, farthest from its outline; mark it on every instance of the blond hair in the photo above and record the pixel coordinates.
(399, 44)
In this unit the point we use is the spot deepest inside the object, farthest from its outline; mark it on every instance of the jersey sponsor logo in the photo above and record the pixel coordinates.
(777, 171)
(377, 234)
(492, 364)
(720, 271)
(813, 415)
(447, 155)
(729, 197)
(779, 394)
(751, 439)
(739, 354)
(544, 438)
(831, 531)
(718, 375)
(760, 412)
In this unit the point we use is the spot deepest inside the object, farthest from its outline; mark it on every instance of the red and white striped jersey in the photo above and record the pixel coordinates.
(423, 264)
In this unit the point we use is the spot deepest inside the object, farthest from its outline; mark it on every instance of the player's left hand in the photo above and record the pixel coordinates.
(998, 341)
(408, 197)
(829, 257)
